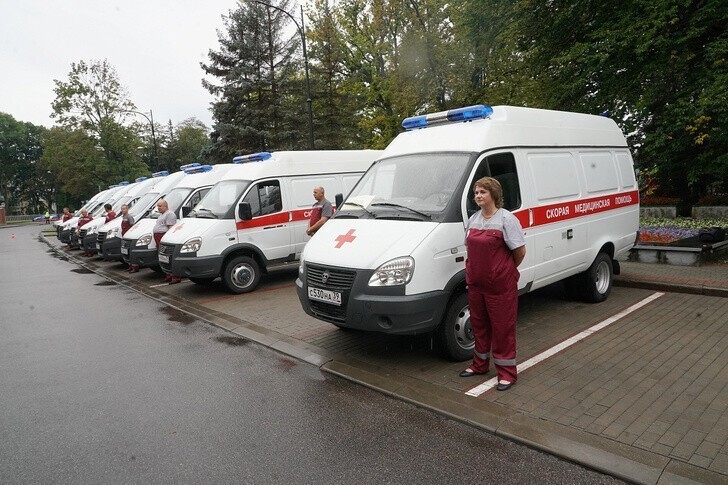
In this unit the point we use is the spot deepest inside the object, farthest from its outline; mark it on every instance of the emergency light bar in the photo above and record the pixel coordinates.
(141, 179)
(189, 165)
(460, 114)
(254, 157)
(113, 186)
(163, 173)
(200, 169)
(125, 182)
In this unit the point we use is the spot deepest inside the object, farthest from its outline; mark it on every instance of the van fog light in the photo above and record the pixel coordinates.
(393, 273)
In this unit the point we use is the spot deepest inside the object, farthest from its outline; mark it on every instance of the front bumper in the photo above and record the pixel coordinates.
(111, 249)
(188, 265)
(140, 256)
(89, 243)
(65, 236)
(378, 309)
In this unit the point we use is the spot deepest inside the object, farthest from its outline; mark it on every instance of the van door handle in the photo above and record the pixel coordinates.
(569, 234)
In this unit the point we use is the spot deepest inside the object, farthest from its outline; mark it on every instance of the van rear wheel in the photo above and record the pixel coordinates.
(598, 279)
(455, 335)
(241, 274)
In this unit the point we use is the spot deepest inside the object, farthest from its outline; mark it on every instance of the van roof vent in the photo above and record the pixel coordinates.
(254, 157)
(451, 116)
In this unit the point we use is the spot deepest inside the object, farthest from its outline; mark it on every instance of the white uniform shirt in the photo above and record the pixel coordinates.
(502, 221)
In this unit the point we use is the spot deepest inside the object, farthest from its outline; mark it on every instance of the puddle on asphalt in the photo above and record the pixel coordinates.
(105, 283)
(232, 341)
(82, 271)
(56, 255)
(174, 315)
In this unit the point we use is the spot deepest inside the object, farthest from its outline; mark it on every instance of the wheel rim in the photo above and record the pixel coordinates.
(463, 331)
(604, 275)
(242, 275)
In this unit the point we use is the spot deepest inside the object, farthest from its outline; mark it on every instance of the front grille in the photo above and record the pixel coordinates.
(82, 233)
(167, 249)
(100, 237)
(125, 244)
(335, 278)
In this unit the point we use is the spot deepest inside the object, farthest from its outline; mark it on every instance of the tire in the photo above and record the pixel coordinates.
(202, 281)
(598, 279)
(455, 335)
(241, 274)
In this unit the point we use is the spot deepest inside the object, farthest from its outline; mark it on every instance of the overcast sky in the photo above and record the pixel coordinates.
(156, 47)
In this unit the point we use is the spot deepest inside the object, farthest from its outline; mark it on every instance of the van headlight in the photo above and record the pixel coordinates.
(144, 240)
(393, 273)
(192, 245)
(301, 267)
(112, 233)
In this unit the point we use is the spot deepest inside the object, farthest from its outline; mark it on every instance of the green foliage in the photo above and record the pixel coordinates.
(77, 160)
(184, 143)
(683, 222)
(21, 180)
(260, 101)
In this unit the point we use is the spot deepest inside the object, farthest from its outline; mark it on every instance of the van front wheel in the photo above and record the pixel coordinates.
(241, 274)
(455, 335)
(598, 279)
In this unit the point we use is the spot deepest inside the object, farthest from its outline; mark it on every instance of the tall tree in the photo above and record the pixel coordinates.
(20, 149)
(93, 100)
(259, 97)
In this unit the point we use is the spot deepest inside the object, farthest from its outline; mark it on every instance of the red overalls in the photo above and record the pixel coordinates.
(492, 280)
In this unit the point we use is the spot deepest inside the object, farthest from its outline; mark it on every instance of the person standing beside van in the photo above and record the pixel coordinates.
(66, 214)
(165, 221)
(496, 246)
(127, 220)
(110, 214)
(321, 211)
(82, 221)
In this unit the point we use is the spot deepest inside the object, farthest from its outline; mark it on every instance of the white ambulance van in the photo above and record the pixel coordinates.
(392, 259)
(108, 240)
(138, 246)
(94, 209)
(63, 228)
(255, 218)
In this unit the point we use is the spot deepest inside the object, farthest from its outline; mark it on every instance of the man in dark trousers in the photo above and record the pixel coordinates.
(165, 221)
(82, 221)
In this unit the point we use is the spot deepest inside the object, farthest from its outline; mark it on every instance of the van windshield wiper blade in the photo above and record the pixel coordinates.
(207, 214)
(355, 204)
(390, 204)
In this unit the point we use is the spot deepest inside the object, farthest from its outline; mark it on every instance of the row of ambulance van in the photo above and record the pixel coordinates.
(392, 258)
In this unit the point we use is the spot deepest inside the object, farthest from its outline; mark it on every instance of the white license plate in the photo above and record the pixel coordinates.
(125, 251)
(163, 258)
(98, 246)
(333, 297)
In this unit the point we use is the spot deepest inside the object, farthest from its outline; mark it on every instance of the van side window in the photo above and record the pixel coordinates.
(502, 167)
(197, 197)
(265, 198)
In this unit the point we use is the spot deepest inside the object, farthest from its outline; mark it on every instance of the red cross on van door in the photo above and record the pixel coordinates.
(345, 238)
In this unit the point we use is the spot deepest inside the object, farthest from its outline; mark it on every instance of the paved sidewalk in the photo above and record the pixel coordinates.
(644, 399)
(709, 279)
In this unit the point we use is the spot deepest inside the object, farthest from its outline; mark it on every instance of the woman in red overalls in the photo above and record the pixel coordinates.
(496, 247)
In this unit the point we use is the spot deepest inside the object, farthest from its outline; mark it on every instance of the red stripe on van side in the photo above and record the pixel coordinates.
(582, 207)
(275, 219)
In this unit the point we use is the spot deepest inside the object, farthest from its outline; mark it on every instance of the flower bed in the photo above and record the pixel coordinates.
(655, 230)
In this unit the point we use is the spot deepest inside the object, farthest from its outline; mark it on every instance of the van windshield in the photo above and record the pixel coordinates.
(414, 187)
(142, 204)
(174, 199)
(219, 201)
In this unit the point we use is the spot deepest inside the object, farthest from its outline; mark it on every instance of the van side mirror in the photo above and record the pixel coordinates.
(338, 200)
(244, 211)
(186, 210)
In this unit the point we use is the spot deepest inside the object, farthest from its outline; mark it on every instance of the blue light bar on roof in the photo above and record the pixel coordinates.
(125, 182)
(113, 186)
(460, 114)
(189, 165)
(254, 157)
(200, 169)
(141, 179)
(163, 173)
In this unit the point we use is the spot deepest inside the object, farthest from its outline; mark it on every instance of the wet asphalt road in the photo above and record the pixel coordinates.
(99, 384)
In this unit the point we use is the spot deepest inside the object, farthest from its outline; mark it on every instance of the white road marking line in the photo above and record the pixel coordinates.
(167, 284)
(491, 383)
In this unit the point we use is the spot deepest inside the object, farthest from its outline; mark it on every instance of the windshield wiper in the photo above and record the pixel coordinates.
(207, 215)
(390, 204)
(355, 204)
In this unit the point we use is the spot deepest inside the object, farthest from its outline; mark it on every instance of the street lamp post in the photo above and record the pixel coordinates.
(302, 33)
(150, 119)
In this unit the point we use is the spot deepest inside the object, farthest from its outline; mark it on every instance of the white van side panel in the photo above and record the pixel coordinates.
(599, 172)
(441, 255)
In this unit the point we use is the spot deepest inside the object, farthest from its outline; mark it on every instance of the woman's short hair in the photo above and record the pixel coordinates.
(493, 187)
